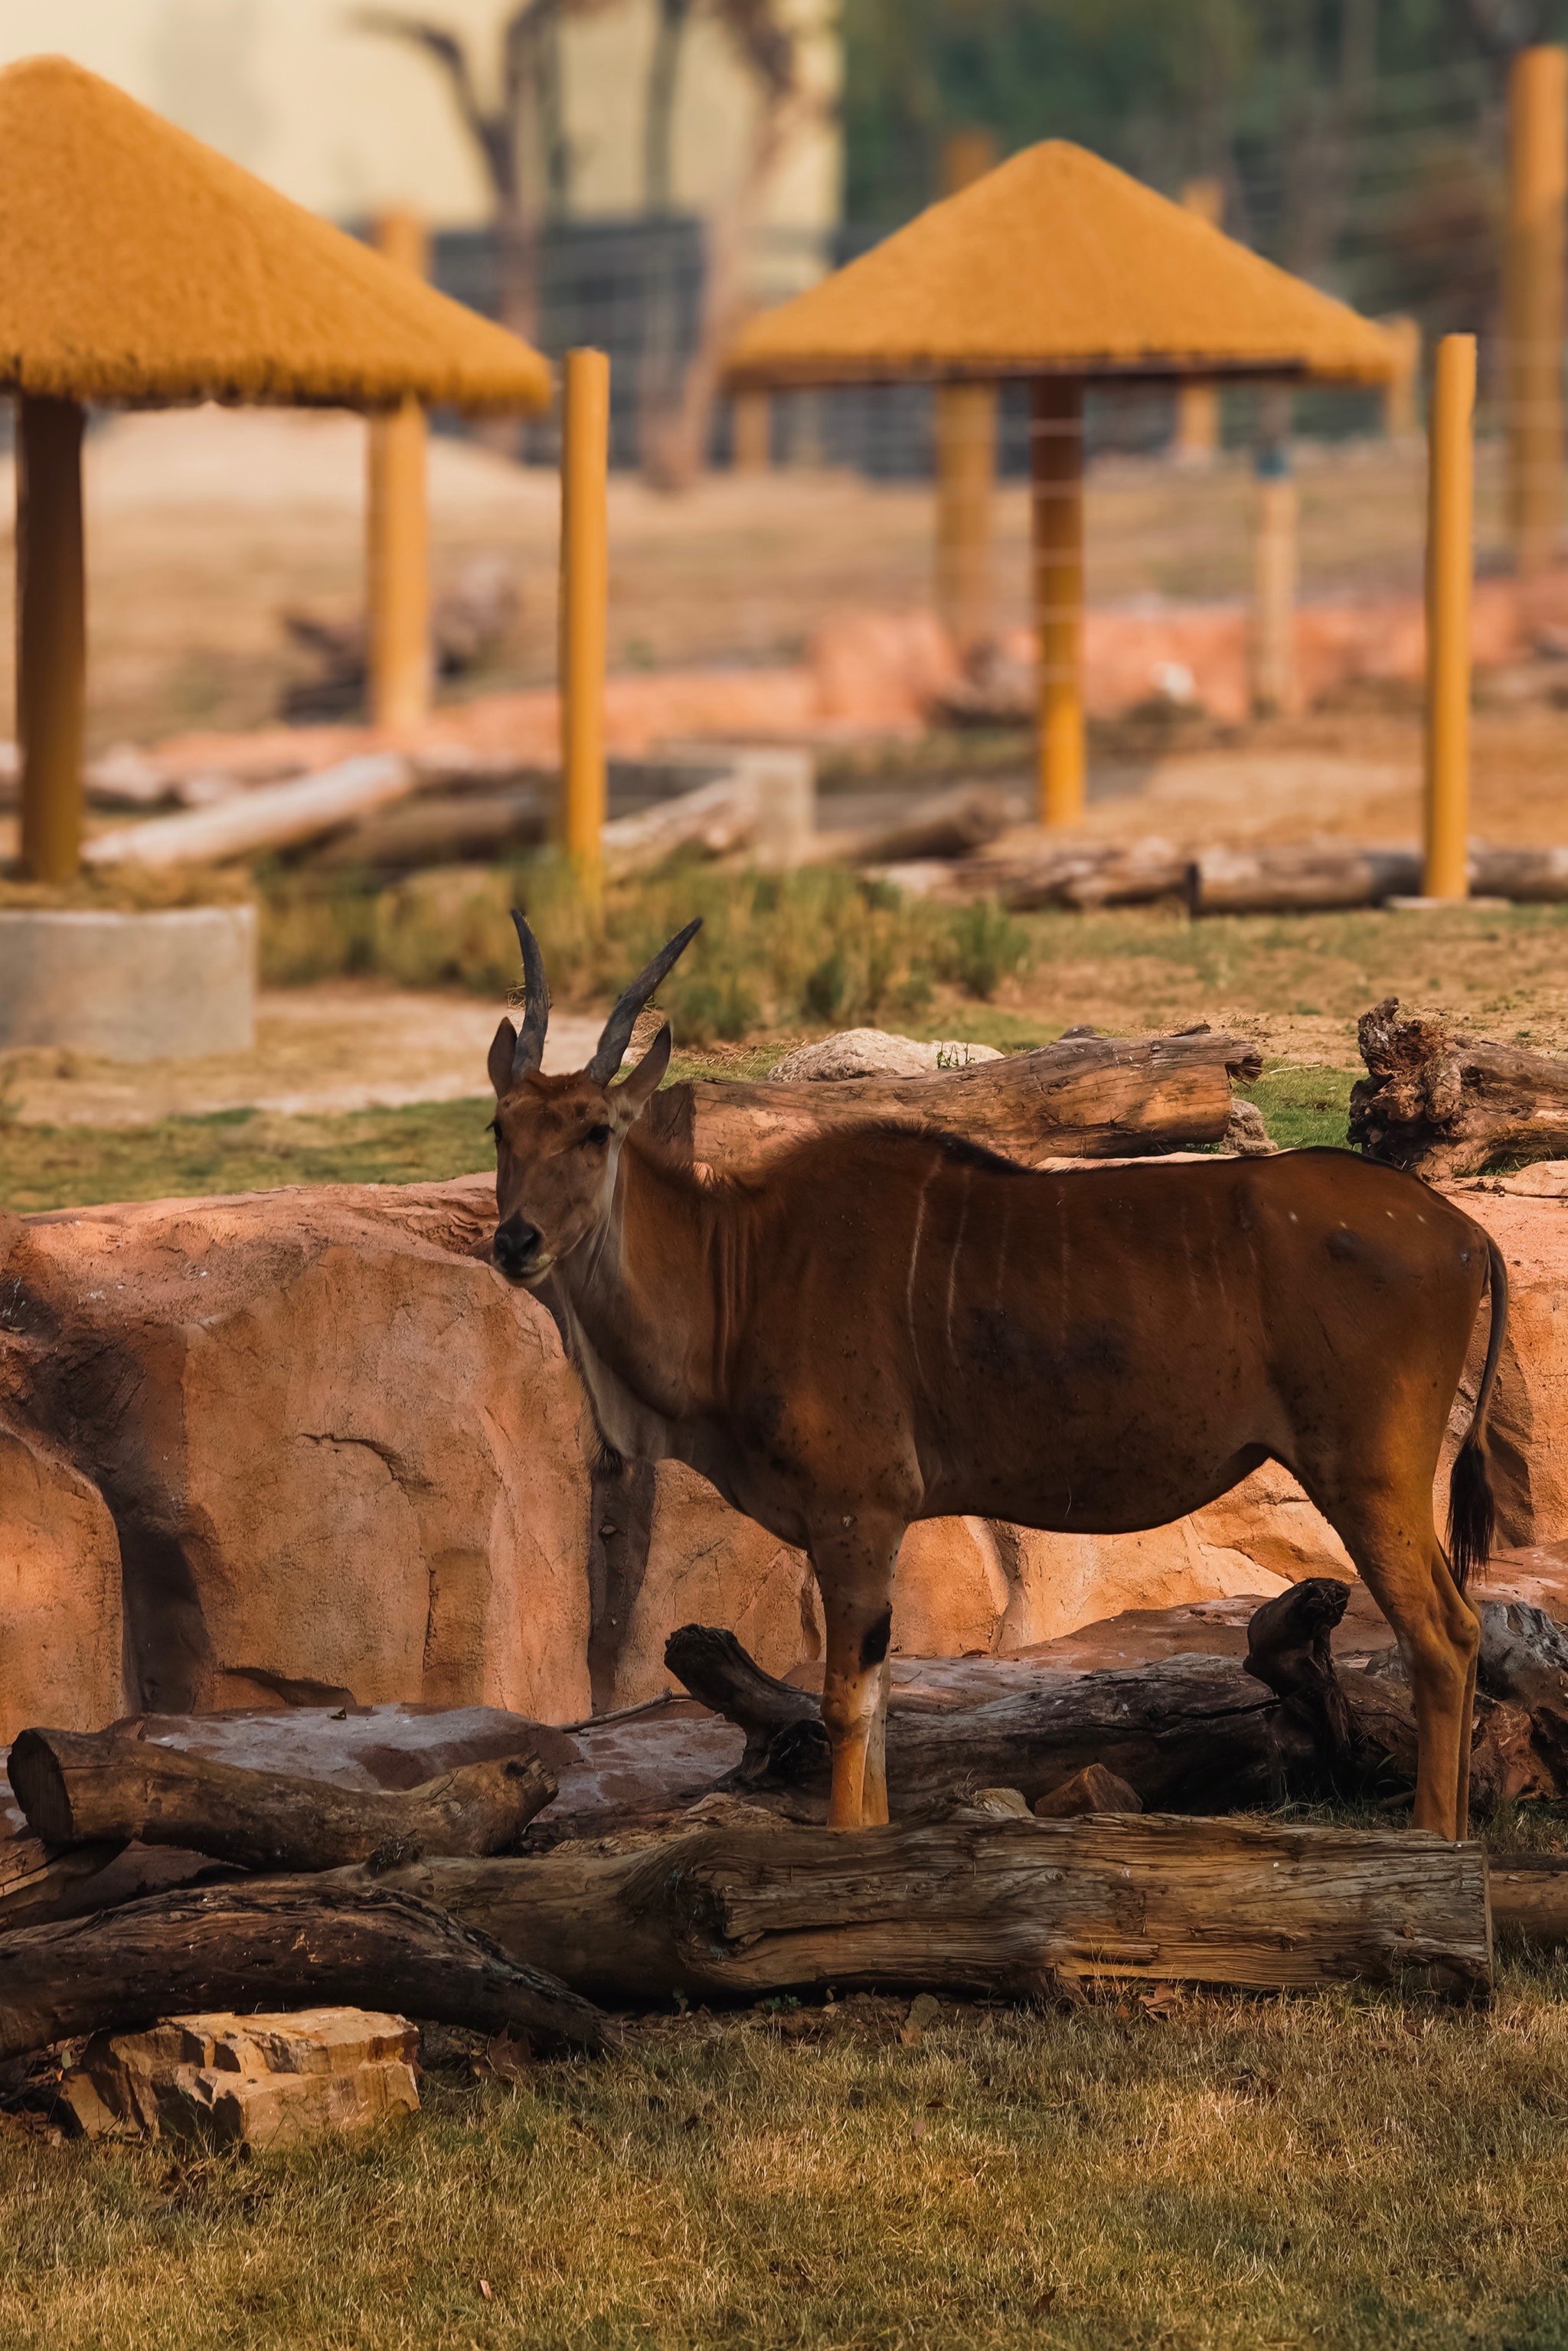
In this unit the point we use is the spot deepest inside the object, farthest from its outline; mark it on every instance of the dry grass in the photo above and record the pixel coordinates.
(1351, 2171)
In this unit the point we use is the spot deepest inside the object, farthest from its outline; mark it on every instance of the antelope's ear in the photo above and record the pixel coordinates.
(633, 1094)
(499, 1065)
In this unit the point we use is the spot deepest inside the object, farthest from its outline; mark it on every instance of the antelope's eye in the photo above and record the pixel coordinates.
(597, 1134)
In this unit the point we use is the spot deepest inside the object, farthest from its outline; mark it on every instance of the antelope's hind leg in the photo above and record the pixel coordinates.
(1396, 1551)
(854, 1567)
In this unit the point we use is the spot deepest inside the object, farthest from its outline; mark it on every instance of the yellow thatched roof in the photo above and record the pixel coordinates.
(139, 267)
(1058, 263)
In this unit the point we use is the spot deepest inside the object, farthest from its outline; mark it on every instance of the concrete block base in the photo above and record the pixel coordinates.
(134, 986)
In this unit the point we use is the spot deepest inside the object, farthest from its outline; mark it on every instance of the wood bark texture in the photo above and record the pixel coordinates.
(273, 1944)
(1085, 1098)
(1191, 1733)
(274, 816)
(1277, 880)
(1005, 1906)
(1442, 1104)
(1082, 873)
(949, 824)
(85, 1787)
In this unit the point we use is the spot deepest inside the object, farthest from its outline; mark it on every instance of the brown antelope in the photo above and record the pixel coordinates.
(890, 1324)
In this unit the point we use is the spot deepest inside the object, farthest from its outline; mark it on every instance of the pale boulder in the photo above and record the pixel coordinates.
(223, 2080)
(876, 1053)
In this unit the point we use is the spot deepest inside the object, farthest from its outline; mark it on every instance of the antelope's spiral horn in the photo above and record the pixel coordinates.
(617, 1031)
(530, 1043)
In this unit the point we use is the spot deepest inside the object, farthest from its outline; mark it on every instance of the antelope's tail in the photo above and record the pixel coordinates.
(1472, 1510)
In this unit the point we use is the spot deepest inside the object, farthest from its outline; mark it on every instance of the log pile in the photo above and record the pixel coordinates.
(1019, 1860)
(1443, 1104)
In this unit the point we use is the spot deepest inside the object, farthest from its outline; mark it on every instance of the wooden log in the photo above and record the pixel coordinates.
(1001, 1906)
(274, 1943)
(435, 831)
(1275, 881)
(1529, 1894)
(274, 816)
(1082, 875)
(1444, 1104)
(1085, 1098)
(39, 1882)
(1191, 1733)
(948, 824)
(96, 1787)
(1528, 876)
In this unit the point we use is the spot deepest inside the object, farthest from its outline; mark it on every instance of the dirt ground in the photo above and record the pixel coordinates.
(203, 525)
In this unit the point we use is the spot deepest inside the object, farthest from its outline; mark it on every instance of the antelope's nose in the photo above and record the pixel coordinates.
(515, 1247)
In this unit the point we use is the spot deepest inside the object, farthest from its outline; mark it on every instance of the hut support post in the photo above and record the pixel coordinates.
(1538, 188)
(1400, 420)
(1275, 570)
(1197, 403)
(584, 602)
(397, 537)
(751, 430)
(51, 634)
(966, 478)
(1056, 469)
(1448, 571)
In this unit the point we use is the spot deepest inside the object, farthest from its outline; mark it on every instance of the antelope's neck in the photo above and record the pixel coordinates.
(659, 1294)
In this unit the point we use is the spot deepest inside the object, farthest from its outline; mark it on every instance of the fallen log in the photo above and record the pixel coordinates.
(99, 1787)
(39, 1882)
(1006, 1906)
(274, 816)
(465, 825)
(948, 824)
(1191, 1733)
(1082, 875)
(1278, 880)
(1529, 1894)
(1528, 876)
(1443, 1104)
(273, 1944)
(764, 804)
(1085, 1098)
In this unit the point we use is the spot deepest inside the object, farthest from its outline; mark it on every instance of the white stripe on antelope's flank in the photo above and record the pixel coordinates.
(914, 1260)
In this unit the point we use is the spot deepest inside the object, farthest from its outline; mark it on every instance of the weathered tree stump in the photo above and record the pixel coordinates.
(1442, 1104)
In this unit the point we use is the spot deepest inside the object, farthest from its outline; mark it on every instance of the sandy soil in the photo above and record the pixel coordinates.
(352, 1045)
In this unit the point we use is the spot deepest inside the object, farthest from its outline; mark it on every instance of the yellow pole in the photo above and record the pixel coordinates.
(397, 537)
(966, 479)
(584, 598)
(1198, 404)
(1450, 506)
(1538, 185)
(51, 634)
(964, 431)
(1056, 475)
(1399, 418)
(751, 444)
(1274, 577)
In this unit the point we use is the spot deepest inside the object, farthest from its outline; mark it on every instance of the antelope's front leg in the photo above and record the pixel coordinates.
(854, 1568)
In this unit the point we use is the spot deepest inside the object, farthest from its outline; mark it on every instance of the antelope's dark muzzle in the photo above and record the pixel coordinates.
(515, 1248)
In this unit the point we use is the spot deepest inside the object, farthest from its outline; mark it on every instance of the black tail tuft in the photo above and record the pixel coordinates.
(1471, 1515)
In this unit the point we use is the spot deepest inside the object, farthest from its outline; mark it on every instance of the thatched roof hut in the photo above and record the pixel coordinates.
(138, 268)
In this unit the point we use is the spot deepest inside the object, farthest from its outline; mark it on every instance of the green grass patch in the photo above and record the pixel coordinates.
(1346, 2169)
(1303, 1104)
(240, 1151)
